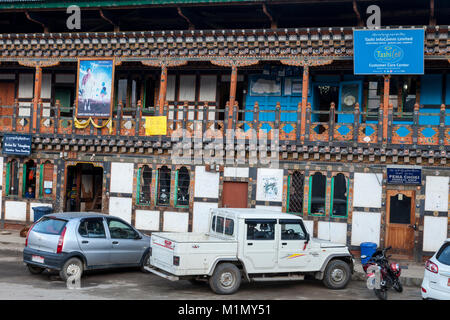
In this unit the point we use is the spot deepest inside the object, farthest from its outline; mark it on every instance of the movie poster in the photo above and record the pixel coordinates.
(95, 86)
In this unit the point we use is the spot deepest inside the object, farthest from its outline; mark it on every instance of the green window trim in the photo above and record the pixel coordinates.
(309, 198)
(138, 187)
(176, 192)
(41, 182)
(8, 177)
(156, 186)
(332, 198)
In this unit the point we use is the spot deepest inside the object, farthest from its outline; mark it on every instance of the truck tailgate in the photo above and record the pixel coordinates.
(162, 251)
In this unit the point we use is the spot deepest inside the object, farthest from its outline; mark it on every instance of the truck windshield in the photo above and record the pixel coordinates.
(49, 225)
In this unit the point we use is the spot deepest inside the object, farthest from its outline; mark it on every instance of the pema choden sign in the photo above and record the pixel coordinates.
(15, 144)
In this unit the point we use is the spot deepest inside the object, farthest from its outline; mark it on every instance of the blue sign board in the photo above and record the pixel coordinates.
(388, 51)
(15, 144)
(404, 176)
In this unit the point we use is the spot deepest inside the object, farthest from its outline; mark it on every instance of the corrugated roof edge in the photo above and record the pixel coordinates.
(42, 4)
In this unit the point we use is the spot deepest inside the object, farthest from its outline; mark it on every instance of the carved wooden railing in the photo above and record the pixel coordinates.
(211, 121)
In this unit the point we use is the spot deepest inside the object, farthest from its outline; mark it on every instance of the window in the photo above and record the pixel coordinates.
(339, 195)
(182, 187)
(144, 185)
(317, 188)
(163, 196)
(374, 98)
(50, 226)
(260, 229)
(229, 227)
(120, 230)
(92, 228)
(29, 179)
(295, 193)
(12, 178)
(220, 225)
(443, 255)
(292, 230)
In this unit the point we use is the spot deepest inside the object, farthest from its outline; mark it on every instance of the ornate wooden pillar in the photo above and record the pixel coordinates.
(38, 65)
(164, 64)
(234, 64)
(306, 64)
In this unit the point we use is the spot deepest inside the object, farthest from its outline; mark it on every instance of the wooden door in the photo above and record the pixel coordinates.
(400, 222)
(6, 97)
(234, 194)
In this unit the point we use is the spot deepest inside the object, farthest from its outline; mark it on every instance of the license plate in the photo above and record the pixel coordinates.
(37, 259)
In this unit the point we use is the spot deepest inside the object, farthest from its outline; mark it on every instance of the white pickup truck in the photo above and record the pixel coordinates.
(249, 244)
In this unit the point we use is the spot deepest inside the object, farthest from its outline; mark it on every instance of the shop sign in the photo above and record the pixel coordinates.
(388, 51)
(15, 144)
(404, 175)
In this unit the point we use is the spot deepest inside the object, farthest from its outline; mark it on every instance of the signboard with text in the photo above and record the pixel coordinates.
(15, 144)
(388, 51)
(399, 175)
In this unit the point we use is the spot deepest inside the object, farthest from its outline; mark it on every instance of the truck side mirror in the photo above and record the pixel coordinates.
(307, 237)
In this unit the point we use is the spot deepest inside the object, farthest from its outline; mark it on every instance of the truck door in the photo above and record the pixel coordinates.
(260, 247)
(292, 255)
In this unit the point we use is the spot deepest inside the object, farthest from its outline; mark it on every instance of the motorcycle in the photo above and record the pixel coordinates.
(382, 275)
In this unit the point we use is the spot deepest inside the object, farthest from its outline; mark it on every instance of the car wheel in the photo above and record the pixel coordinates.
(145, 262)
(34, 269)
(226, 279)
(72, 266)
(337, 275)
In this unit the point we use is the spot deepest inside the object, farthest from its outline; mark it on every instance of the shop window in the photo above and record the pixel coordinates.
(295, 193)
(29, 179)
(339, 203)
(144, 185)
(163, 195)
(46, 187)
(374, 93)
(182, 187)
(12, 178)
(317, 193)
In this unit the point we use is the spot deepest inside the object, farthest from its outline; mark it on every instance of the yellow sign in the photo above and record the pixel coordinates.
(155, 126)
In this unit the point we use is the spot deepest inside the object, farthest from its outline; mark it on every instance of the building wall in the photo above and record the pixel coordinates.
(366, 195)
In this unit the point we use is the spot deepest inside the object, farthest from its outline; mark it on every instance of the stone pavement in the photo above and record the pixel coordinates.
(412, 272)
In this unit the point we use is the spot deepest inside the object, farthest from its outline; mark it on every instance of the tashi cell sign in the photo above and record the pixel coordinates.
(388, 51)
(95, 85)
(16, 144)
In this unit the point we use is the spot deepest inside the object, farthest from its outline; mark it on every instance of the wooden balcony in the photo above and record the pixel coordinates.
(127, 126)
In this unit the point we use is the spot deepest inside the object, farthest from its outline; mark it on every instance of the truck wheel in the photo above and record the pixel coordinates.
(226, 279)
(71, 267)
(337, 275)
(34, 269)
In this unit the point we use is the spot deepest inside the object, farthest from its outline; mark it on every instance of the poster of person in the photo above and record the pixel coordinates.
(95, 84)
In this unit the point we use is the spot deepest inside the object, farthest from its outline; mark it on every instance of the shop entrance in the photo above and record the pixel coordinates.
(84, 188)
(400, 222)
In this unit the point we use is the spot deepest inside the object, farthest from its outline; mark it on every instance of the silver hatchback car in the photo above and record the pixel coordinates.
(77, 241)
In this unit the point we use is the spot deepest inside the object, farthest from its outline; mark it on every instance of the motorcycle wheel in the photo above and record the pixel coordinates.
(398, 286)
(381, 294)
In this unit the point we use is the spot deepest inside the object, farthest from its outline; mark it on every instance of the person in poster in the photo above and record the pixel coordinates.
(94, 88)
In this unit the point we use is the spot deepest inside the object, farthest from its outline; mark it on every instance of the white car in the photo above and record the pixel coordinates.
(436, 281)
(251, 245)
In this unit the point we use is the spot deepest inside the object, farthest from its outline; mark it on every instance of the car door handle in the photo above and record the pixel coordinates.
(284, 243)
(249, 244)
(84, 241)
(115, 242)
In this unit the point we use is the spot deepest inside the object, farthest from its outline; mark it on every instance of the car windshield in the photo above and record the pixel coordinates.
(49, 225)
(443, 255)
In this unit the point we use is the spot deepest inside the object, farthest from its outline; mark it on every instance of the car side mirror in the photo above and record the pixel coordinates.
(138, 236)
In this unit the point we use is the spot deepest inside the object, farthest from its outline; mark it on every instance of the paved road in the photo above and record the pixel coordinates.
(17, 283)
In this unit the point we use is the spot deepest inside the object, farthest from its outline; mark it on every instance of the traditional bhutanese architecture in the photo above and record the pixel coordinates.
(362, 158)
